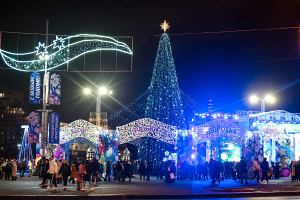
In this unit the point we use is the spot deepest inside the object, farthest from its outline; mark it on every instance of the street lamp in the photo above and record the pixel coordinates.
(100, 91)
(268, 98)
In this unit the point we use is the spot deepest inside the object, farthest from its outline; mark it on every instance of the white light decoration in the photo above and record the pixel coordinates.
(223, 156)
(62, 54)
(167, 153)
(80, 128)
(146, 127)
(58, 43)
(41, 49)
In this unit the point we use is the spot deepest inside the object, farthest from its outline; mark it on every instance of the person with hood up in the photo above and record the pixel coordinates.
(14, 170)
(80, 177)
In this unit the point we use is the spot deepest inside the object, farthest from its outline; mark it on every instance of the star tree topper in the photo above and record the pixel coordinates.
(164, 26)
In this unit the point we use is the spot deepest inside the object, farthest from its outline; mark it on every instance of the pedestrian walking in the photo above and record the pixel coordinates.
(87, 176)
(108, 171)
(73, 173)
(148, 170)
(118, 171)
(14, 170)
(95, 170)
(265, 168)
(44, 174)
(7, 170)
(142, 170)
(215, 171)
(243, 170)
(53, 173)
(276, 170)
(255, 170)
(80, 174)
(65, 171)
(29, 168)
(59, 176)
(127, 171)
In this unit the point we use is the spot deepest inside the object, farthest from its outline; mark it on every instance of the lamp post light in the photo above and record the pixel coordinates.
(98, 93)
(268, 98)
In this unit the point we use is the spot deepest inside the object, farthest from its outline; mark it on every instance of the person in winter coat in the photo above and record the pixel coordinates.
(160, 171)
(168, 171)
(243, 170)
(173, 172)
(73, 173)
(79, 174)
(108, 171)
(59, 176)
(127, 171)
(65, 171)
(142, 170)
(101, 171)
(215, 171)
(53, 173)
(264, 168)
(256, 170)
(148, 170)
(44, 173)
(14, 171)
(118, 171)
(7, 171)
(87, 176)
(95, 170)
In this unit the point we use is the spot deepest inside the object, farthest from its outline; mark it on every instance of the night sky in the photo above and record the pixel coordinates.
(230, 66)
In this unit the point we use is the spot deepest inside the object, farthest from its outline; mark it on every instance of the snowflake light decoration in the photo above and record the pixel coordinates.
(41, 49)
(58, 43)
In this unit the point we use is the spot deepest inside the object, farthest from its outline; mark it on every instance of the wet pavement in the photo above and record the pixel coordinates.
(153, 189)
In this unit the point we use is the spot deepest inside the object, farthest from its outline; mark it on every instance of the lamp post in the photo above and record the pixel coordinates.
(268, 98)
(98, 93)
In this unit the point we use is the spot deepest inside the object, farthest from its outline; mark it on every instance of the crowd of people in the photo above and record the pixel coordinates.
(218, 171)
(88, 172)
(9, 169)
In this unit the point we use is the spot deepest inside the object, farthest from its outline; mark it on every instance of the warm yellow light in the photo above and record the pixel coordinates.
(270, 99)
(165, 26)
(253, 99)
(87, 91)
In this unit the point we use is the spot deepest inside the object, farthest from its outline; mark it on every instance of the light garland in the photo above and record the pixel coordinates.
(63, 54)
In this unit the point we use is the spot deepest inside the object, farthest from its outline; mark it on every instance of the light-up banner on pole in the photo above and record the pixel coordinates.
(54, 126)
(55, 89)
(34, 127)
(35, 88)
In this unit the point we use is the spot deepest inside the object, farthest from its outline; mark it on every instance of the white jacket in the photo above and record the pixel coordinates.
(52, 167)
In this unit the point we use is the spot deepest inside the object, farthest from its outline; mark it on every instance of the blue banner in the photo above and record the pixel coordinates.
(35, 88)
(54, 126)
(34, 127)
(55, 89)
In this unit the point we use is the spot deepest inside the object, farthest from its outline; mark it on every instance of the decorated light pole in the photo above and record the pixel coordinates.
(268, 98)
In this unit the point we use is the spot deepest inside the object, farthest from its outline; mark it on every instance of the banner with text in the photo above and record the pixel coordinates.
(54, 126)
(34, 127)
(35, 88)
(55, 89)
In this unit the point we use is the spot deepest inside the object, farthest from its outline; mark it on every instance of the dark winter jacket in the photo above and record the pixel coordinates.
(243, 166)
(264, 167)
(95, 165)
(65, 170)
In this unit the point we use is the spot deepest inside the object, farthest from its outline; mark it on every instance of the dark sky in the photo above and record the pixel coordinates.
(223, 64)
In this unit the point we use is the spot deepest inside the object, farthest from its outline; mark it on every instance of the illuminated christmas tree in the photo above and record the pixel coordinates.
(164, 98)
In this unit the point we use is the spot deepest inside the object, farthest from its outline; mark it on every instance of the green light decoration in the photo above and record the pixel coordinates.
(164, 98)
(63, 50)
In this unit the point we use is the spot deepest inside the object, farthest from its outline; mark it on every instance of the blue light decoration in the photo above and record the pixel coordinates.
(164, 99)
(61, 54)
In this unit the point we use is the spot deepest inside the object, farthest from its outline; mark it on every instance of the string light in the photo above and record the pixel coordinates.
(63, 54)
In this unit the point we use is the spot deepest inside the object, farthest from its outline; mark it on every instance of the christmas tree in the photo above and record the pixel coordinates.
(164, 98)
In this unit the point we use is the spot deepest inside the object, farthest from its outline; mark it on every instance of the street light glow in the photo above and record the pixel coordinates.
(87, 91)
(110, 92)
(270, 99)
(102, 90)
(253, 99)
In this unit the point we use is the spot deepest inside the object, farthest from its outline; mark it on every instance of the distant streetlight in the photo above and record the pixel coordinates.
(100, 91)
(268, 98)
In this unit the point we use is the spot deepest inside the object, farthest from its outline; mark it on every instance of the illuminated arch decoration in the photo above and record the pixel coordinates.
(219, 130)
(146, 127)
(80, 129)
(62, 51)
